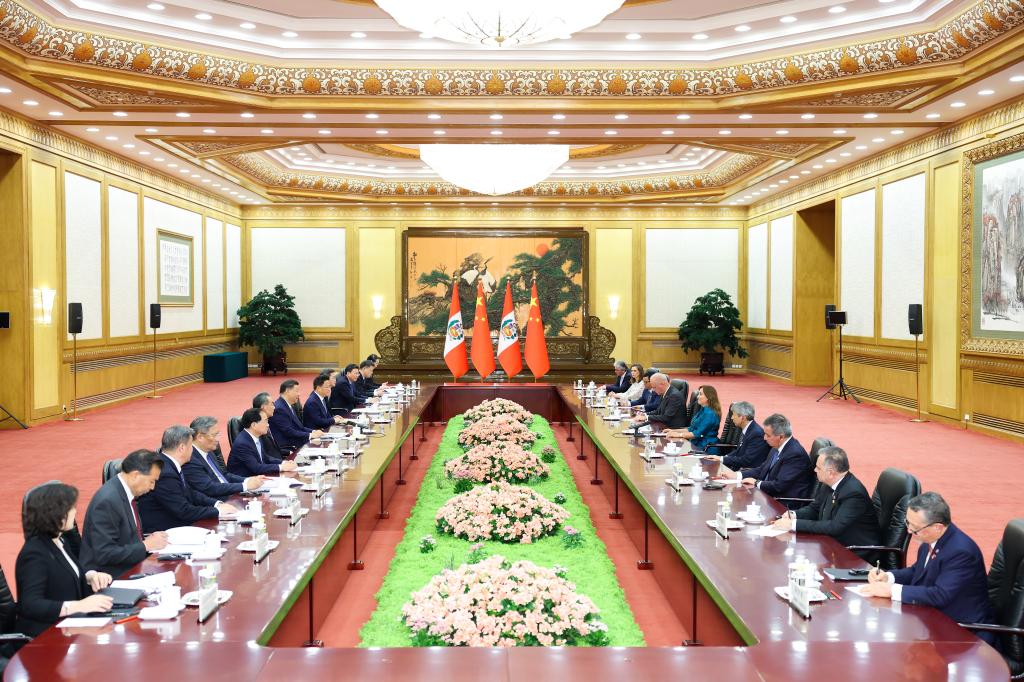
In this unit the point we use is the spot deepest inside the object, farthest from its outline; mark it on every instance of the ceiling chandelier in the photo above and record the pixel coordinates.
(498, 23)
(494, 169)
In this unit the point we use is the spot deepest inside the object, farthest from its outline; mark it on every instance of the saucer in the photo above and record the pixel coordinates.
(250, 546)
(732, 524)
(815, 594)
(286, 514)
(192, 598)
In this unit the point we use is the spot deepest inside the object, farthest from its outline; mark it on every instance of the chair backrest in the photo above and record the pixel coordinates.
(812, 455)
(892, 493)
(1006, 591)
(730, 434)
(234, 428)
(111, 468)
(691, 408)
(8, 607)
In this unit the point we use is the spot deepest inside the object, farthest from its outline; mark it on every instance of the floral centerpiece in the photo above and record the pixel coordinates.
(502, 512)
(498, 407)
(497, 462)
(497, 603)
(503, 428)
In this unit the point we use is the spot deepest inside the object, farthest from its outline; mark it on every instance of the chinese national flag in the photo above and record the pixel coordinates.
(482, 351)
(536, 345)
(509, 354)
(455, 337)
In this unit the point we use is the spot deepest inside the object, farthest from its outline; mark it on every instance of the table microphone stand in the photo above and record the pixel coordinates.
(840, 389)
(74, 380)
(917, 382)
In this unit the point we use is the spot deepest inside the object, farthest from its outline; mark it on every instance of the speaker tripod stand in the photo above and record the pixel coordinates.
(840, 389)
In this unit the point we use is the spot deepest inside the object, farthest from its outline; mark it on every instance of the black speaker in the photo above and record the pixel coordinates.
(915, 319)
(5, 319)
(74, 318)
(836, 318)
(828, 309)
(154, 315)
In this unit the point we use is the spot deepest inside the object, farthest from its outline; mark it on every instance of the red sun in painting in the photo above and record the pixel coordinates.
(542, 249)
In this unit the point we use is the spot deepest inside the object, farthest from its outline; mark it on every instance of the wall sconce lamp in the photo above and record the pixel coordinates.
(44, 299)
(613, 306)
(377, 302)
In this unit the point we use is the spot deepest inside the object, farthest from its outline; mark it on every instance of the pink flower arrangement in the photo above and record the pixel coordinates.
(498, 407)
(497, 462)
(493, 429)
(502, 512)
(496, 603)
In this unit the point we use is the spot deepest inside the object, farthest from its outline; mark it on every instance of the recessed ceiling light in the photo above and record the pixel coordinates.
(1017, 79)
(986, 92)
(621, 117)
(742, 28)
(746, 117)
(56, 113)
(158, 159)
(372, 116)
(382, 132)
(794, 177)
(662, 160)
(111, 138)
(700, 36)
(554, 132)
(558, 117)
(172, 165)
(839, 131)
(290, 34)
(787, 19)
(323, 132)
(933, 115)
(957, 105)
(156, 7)
(209, 131)
(119, 114)
(807, 117)
(611, 132)
(357, 34)
(246, 115)
(895, 132)
(183, 114)
(267, 131)
(838, 9)
(782, 132)
(92, 130)
(805, 172)
(817, 166)
(878, 140)
(633, 36)
(248, 26)
(295, 149)
(844, 154)
(309, 115)
(184, 170)
(682, 117)
(870, 116)
(203, 16)
(830, 160)
(725, 132)
(439, 132)
(194, 175)
(861, 147)
(128, 146)
(143, 153)
(5, 91)
(496, 117)
(433, 117)
(30, 103)
(783, 182)
(496, 132)
(668, 132)
(773, 186)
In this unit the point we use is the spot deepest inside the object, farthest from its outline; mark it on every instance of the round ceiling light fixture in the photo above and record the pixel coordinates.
(499, 23)
(494, 169)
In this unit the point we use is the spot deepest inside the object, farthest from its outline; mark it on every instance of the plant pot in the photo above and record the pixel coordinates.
(275, 363)
(712, 363)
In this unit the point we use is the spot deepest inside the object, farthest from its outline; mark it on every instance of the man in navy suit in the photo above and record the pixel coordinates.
(201, 471)
(753, 449)
(284, 424)
(649, 400)
(316, 414)
(786, 471)
(172, 502)
(247, 455)
(621, 382)
(949, 573)
(366, 387)
(344, 395)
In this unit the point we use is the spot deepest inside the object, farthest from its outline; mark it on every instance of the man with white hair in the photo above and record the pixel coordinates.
(621, 383)
(672, 410)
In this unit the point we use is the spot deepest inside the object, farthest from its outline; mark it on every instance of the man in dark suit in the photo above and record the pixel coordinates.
(247, 456)
(374, 360)
(265, 404)
(786, 471)
(671, 412)
(344, 396)
(753, 449)
(842, 508)
(649, 400)
(201, 471)
(287, 429)
(316, 413)
(112, 540)
(366, 387)
(172, 502)
(949, 573)
(621, 382)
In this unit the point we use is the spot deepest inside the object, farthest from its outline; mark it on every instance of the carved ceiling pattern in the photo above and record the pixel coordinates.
(873, 100)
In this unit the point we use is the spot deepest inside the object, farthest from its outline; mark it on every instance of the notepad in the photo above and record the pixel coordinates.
(769, 531)
(83, 622)
(151, 583)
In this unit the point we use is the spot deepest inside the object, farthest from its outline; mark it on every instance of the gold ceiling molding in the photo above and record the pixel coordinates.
(946, 138)
(205, 148)
(865, 100)
(54, 141)
(626, 3)
(101, 95)
(982, 24)
(397, 151)
(508, 213)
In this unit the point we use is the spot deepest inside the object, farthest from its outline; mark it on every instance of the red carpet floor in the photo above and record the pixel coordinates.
(980, 476)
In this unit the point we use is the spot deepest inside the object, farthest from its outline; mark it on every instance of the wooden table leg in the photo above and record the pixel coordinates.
(401, 477)
(312, 641)
(382, 514)
(615, 513)
(356, 564)
(596, 480)
(645, 564)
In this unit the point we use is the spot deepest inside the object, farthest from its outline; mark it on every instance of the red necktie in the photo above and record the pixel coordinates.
(135, 512)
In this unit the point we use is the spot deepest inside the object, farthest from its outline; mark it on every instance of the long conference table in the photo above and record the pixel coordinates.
(720, 589)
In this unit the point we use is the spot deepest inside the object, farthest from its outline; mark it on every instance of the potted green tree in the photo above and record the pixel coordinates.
(711, 327)
(268, 322)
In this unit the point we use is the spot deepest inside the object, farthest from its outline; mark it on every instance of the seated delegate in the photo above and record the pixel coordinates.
(285, 424)
(247, 455)
(786, 472)
(316, 414)
(636, 387)
(203, 474)
(703, 429)
(752, 449)
(51, 582)
(671, 412)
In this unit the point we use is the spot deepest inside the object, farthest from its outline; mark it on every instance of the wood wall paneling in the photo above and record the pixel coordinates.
(14, 273)
(814, 276)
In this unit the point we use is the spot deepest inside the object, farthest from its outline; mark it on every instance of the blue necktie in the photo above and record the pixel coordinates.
(775, 458)
(216, 470)
(259, 449)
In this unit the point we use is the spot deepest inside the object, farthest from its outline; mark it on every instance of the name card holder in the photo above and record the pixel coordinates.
(799, 598)
(262, 544)
(295, 507)
(722, 525)
(322, 485)
(208, 602)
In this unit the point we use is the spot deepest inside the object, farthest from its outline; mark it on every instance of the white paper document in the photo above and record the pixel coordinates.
(154, 581)
(83, 622)
(856, 589)
(770, 532)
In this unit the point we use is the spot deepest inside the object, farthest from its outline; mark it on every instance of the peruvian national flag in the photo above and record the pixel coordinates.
(508, 338)
(455, 337)
(536, 346)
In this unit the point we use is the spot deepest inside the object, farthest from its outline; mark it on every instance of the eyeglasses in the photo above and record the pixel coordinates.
(919, 530)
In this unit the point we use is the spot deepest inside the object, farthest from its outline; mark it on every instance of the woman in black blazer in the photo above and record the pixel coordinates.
(51, 584)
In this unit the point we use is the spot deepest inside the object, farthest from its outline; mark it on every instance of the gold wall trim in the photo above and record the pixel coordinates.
(899, 365)
(943, 140)
(137, 391)
(771, 371)
(999, 379)
(992, 366)
(142, 358)
(29, 34)
(28, 132)
(475, 212)
(851, 350)
(883, 397)
(999, 423)
(770, 347)
(164, 348)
